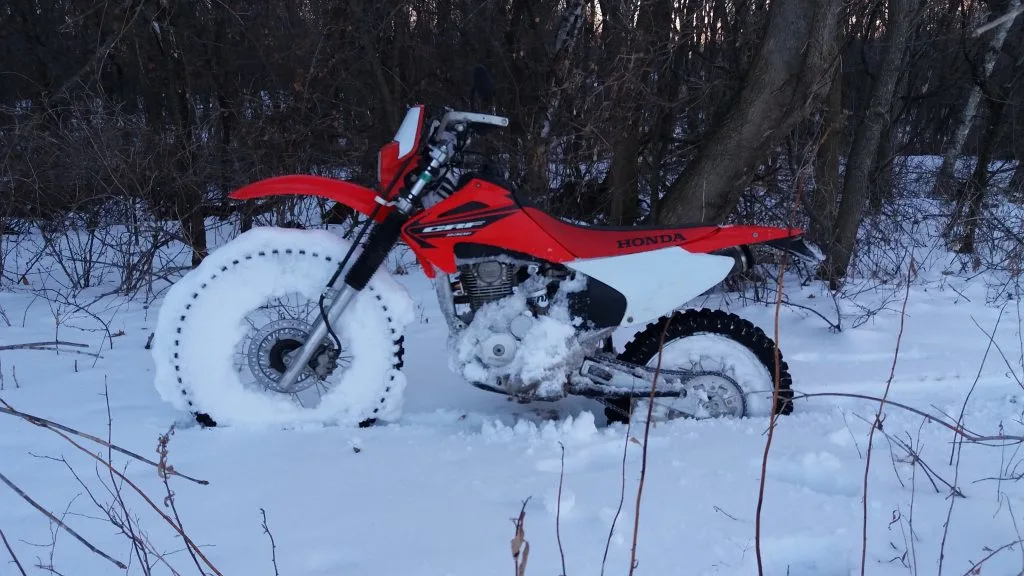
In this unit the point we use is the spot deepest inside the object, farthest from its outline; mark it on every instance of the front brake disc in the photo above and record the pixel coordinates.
(269, 352)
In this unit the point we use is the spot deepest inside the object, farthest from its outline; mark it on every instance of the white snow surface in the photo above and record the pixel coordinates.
(434, 492)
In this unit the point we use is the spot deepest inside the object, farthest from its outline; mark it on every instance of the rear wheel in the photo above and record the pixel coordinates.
(228, 330)
(716, 341)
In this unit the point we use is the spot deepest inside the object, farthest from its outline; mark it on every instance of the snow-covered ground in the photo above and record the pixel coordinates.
(436, 492)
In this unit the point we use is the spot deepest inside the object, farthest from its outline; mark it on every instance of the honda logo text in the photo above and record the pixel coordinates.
(651, 240)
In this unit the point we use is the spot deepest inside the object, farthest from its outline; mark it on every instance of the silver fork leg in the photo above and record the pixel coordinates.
(301, 357)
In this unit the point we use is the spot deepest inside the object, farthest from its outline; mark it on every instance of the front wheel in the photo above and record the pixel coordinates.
(227, 330)
(714, 341)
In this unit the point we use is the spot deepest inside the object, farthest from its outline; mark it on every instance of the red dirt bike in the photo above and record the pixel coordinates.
(291, 325)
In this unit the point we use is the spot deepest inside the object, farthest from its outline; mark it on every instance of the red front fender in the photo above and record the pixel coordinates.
(360, 199)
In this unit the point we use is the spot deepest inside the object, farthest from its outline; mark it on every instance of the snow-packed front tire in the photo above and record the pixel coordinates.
(710, 340)
(226, 329)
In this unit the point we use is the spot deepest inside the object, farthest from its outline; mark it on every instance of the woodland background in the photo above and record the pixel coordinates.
(622, 112)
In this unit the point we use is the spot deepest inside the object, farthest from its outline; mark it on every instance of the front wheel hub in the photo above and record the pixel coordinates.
(271, 349)
(281, 354)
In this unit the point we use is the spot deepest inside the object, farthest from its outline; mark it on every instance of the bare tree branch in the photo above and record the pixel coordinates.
(57, 521)
(14, 557)
(879, 416)
(41, 344)
(6, 408)
(273, 546)
(1002, 439)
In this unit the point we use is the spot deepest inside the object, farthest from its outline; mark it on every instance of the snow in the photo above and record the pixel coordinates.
(434, 492)
(545, 350)
(213, 300)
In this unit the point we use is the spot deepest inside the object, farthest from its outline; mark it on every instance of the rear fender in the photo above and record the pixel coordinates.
(713, 238)
(735, 241)
(360, 199)
(798, 246)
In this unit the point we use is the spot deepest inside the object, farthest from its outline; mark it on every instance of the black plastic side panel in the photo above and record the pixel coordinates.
(468, 250)
(602, 305)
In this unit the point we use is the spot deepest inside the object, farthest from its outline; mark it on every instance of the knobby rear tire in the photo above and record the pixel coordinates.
(643, 350)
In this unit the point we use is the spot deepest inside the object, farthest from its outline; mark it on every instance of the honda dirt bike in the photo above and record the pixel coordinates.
(290, 325)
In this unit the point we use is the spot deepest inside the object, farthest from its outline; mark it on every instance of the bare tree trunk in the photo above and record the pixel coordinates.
(821, 206)
(625, 177)
(557, 70)
(789, 73)
(972, 195)
(861, 160)
(572, 20)
(881, 183)
(194, 228)
(570, 26)
(944, 179)
(188, 199)
(1017, 180)
(652, 37)
(1003, 102)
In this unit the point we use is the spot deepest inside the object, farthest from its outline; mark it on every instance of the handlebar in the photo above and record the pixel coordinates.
(456, 117)
(454, 123)
(448, 139)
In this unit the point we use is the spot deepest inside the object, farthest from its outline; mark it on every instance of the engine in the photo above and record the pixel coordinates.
(510, 311)
(484, 281)
(523, 327)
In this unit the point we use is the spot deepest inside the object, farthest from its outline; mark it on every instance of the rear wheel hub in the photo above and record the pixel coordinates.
(720, 395)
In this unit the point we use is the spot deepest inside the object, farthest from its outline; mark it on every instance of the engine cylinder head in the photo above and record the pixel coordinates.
(486, 281)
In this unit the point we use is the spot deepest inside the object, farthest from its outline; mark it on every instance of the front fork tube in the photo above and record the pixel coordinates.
(446, 300)
(382, 239)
